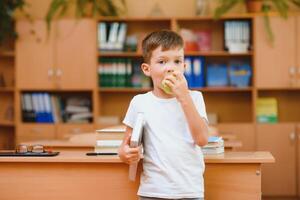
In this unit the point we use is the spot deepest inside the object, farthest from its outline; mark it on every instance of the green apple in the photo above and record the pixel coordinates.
(165, 87)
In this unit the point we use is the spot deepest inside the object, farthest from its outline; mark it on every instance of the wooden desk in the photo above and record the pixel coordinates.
(65, 145)
(74, 176)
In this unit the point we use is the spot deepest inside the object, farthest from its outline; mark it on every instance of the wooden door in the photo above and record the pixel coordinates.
(244, 132)
(76, 53)
(279, 178)
(273, 63)
(65, 131)
(34, 56)
(35, 132)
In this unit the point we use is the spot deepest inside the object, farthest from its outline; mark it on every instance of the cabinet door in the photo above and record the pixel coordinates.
(76, 53)
(243, 132)
(298, 158)
(35, 132)
(68, 130)
(273, 63)
(298, 48)
(279, 178)
(34, 56)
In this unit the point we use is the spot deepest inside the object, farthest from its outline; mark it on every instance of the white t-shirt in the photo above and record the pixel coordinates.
(173, 164)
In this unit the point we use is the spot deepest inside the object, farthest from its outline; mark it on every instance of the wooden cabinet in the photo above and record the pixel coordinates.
(64, 59)
(298, 49)
(298, 158)
(274, 63)
(279, 178)
(75, 54)
(34, 56)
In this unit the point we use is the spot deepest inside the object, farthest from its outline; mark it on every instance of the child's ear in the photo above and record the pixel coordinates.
(184, 67)
(146, 69)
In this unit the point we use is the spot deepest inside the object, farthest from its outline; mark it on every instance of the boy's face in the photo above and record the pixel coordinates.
(162, 62)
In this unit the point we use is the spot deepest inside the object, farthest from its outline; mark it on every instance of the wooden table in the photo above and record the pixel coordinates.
(74, 176)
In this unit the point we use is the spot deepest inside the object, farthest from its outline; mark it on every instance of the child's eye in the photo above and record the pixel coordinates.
(178, 61)
(161, 62)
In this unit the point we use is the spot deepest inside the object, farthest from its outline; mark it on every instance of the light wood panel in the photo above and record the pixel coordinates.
(65, 131)
(34, 56)
(7, 107)
(230, 107)
(244, 132)
(280, 139)
(115, 104)
(274, 62)
(75, 53)
(7, 70)
(32, 132)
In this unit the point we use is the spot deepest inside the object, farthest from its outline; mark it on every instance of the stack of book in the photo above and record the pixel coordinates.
(78, 110)
(111, 36)
(119, 72)
(215, 146)
(49, 108)
(107, 146)
(109, 139)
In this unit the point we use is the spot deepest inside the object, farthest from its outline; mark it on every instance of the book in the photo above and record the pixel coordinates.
(266, 110)
(107, 146)
(135, 141)
(211, 151)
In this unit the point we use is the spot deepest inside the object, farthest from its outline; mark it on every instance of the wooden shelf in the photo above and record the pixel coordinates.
(204, 89)
(124, 90)
(189, 53)
(133, 19)
(6, 89)
(280, 89)
(216, 53)
(225, 89)
(119, 54)
(7, 124)
(7, 54)
(55, 90)
(196, 18)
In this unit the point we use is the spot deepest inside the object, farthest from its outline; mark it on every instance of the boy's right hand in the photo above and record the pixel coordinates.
(127, 154)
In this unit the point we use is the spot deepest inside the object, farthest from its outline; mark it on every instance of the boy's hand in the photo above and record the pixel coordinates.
(127, 154)
(178, 84)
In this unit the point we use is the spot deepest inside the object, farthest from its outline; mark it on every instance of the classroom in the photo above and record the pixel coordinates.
(150, 100)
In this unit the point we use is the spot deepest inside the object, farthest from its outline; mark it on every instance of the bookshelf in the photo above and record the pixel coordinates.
(7, 94)
(229, 95)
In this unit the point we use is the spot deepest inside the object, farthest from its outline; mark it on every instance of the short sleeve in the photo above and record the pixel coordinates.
(131, 113)
(200, 105)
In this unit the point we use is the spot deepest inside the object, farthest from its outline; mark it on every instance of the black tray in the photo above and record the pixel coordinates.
(29, 154)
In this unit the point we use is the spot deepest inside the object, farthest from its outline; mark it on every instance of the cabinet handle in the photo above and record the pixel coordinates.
(50, 72)
(292, 73)
(58, 72)
(293, 136)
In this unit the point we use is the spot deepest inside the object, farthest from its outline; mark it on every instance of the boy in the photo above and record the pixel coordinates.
(176, 125)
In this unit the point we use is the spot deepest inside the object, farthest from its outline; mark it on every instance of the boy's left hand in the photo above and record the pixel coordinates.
(178, 84)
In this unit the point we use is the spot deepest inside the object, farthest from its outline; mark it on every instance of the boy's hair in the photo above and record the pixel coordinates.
(165, 38)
